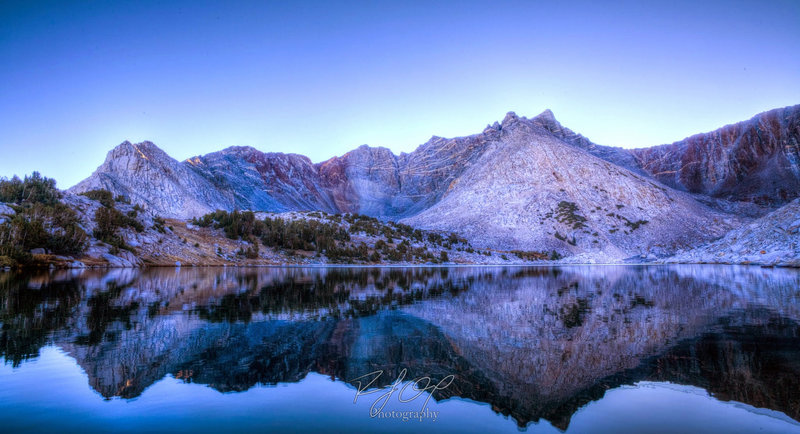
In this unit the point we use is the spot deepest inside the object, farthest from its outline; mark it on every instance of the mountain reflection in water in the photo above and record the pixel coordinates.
(532, 342)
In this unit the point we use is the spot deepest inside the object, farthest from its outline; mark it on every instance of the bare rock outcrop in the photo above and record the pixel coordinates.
(771, 240)
(754, 161)
(619, 156)
(363, 181)
(265, 181)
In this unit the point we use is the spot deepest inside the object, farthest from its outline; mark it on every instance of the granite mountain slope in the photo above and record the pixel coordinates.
(367, 180)
(148, 176)
(264, 181)
(619, 156)
(753, 161)
(532, 191)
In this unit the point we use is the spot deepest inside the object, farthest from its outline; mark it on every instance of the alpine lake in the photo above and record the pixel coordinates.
(629, 348)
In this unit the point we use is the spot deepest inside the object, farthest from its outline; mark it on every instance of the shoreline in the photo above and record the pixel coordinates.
(454, 265)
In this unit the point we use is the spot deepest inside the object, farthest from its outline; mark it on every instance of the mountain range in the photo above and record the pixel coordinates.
(528, 184)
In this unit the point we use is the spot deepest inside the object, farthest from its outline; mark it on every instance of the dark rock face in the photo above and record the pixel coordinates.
(265, 181)
(754, 161)
(367, 180)
(363, 181)
(432, 169)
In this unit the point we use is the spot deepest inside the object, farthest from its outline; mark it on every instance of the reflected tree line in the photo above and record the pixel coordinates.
(34, 308)
(335, 293)
(30, 313)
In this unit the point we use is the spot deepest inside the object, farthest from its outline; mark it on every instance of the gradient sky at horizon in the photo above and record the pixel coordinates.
(321, 78)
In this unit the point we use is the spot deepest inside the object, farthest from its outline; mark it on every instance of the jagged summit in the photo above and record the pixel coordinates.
(250, 151)
(545, 119)
(132, 156)
(143, 149)
(547, 114)
(238, 149)
(509, 119)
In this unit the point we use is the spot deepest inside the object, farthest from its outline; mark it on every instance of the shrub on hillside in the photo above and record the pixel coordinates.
(105, 197)
(40, 220)
(109, 221)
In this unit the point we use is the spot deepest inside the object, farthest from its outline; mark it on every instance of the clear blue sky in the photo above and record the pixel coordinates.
(321, 78)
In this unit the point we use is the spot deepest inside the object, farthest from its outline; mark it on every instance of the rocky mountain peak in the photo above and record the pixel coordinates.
(510, 119)
(547, 119)
(146, 150)
(491, 128)
(241, 150)
(370, 150)
(149, 176)
(124, 148)
(533, 190)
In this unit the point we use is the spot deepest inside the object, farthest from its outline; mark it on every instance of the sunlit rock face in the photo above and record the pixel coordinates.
(753, 161)
(148, 176)
(534, 343)
(619, 156)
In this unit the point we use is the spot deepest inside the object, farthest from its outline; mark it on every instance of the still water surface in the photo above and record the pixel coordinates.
(575, 349)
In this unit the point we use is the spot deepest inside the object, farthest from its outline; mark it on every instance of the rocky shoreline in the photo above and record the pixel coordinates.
(770, 241)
